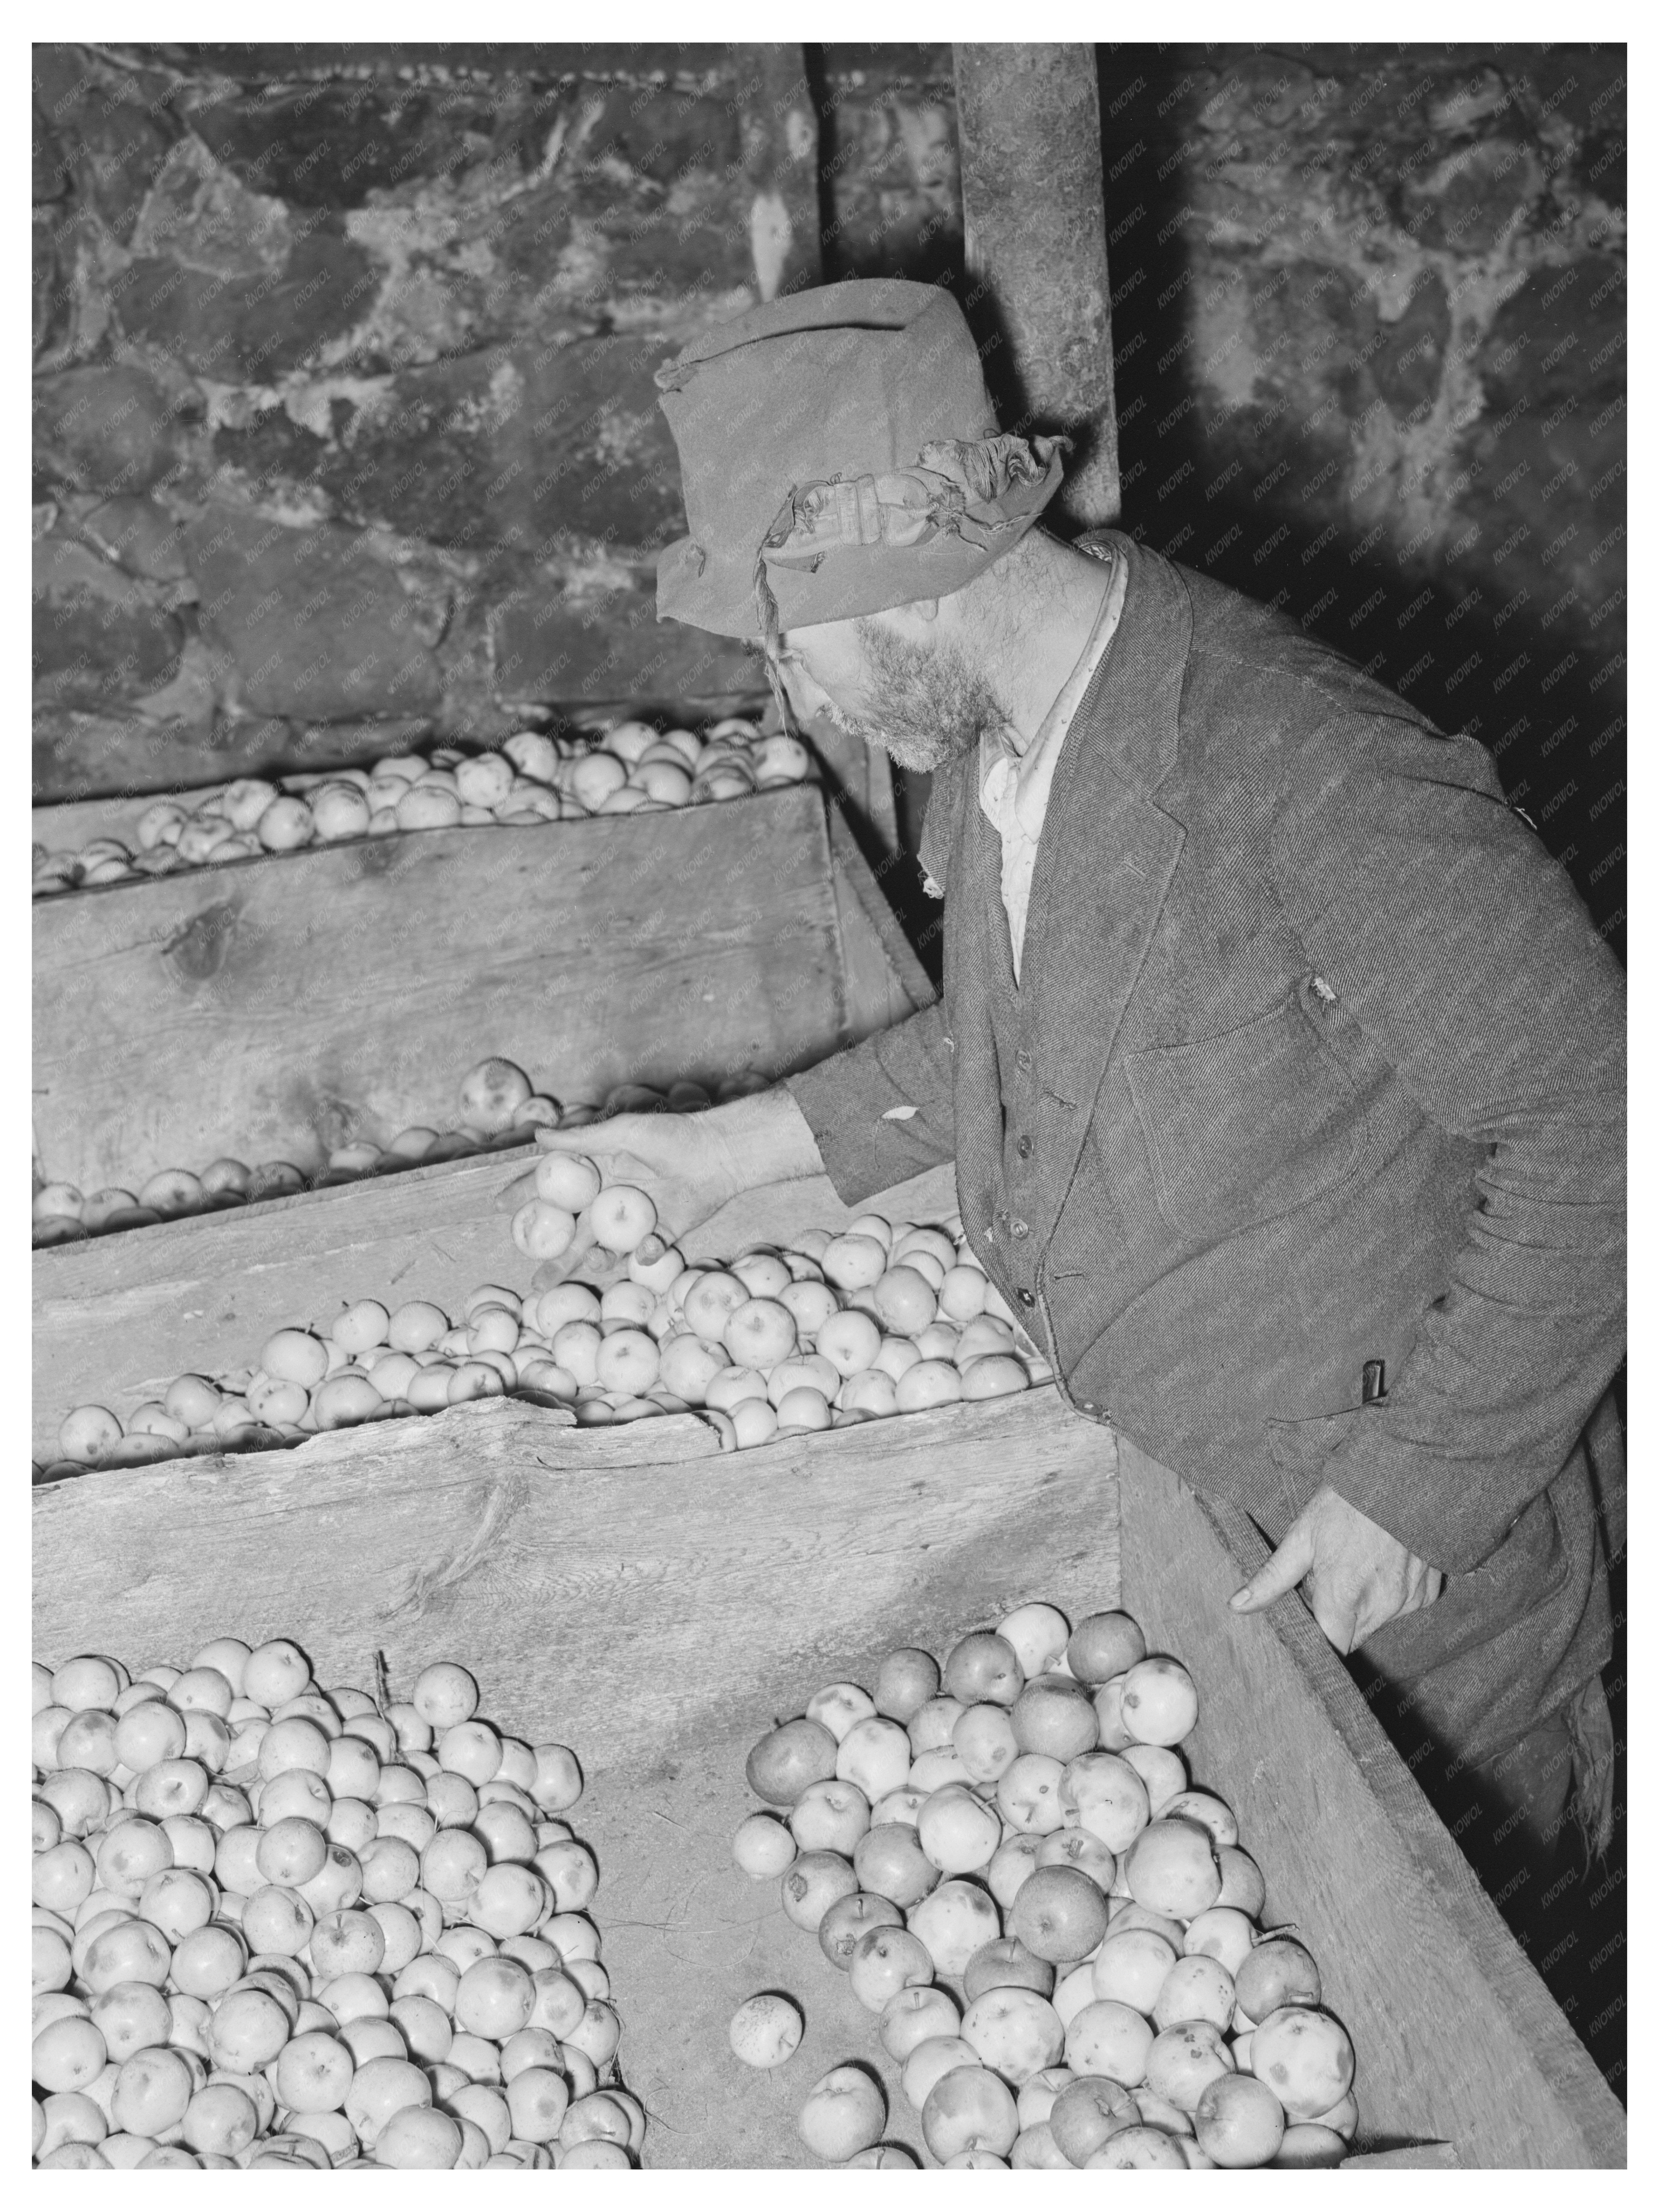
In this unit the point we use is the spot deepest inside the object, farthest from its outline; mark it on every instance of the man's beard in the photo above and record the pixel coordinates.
(935, 707)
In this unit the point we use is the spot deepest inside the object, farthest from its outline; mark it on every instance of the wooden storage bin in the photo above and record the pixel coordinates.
(117, 1317)
(657, 1604)
(274, 1008)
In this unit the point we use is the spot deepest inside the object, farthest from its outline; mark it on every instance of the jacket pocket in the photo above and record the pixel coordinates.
(1521, 1576)
(1246, 1125)
(1301, 1450)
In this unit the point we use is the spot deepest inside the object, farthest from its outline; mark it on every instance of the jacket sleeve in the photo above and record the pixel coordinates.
(1426, 904)
(882, 1111)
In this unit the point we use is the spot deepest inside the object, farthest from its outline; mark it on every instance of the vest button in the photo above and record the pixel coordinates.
(1018, 1228)
(1027, 1299)
(1025, 1148)
(1022, 1062)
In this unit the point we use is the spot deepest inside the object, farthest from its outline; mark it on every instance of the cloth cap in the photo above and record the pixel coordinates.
(839, 454)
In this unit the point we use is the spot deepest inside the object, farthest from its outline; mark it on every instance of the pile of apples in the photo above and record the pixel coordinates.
(499, 1104)
(535, 778)
(276, 1925)
(1059, 1938)
(885, 1317)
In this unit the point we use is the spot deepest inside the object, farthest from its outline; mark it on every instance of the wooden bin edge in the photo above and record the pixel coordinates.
(1587, 2107)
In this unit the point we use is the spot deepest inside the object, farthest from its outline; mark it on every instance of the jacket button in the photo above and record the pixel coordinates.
(1018, 1228)
(1025, 1148)
(1026, 1297)
(1022, 1062)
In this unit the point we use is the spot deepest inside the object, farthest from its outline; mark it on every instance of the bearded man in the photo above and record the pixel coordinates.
(1282, 1069)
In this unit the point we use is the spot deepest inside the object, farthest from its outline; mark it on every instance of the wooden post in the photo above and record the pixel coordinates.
(1035, 216)
(781, 161)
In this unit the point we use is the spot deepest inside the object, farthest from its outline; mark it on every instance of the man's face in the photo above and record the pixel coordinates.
(920, 699)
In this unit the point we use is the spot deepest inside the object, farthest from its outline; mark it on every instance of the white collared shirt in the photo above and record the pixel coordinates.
(1013, 788)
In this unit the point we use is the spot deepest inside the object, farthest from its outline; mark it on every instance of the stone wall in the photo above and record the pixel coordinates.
(345, 425)
(891, 191)
(1369, 323)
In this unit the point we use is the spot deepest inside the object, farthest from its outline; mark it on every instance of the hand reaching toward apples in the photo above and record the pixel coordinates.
(663, 1155)
(1357, 1577)
(689, 1164)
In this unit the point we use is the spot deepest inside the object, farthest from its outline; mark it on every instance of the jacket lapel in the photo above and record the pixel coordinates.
(1104, 865)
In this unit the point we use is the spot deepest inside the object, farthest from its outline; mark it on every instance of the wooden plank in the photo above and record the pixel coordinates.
(626, 1601)
(117, 1317)
(861, 775)
(1034, 219)
(1415, 2156)
(885, 982)
(1457, 2040)
(277, 1007)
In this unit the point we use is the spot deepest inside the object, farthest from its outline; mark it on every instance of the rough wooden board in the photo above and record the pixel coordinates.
(124, 755)
(617, 1607)
(862, 776)
(687, 1939)
(117, 1317)
(1415, 2156)
(281, 1006)
(1456, 2037)
(659, 1617)
(883, 971)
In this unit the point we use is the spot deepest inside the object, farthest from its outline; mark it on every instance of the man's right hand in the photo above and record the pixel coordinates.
(689, 1164)
(674, 1158)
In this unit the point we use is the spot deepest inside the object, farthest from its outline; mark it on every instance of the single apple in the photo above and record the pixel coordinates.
(890, 1860)
(1105, 1645)
(886, 1960)
(914, 2014)
(953, 1920)
(1109, 2038)
(1185, 2058)
(969, 2109)
(1278, 1970)
(765, 2031)
(790, 1759)
(1171, 1868)
(844, 2113)
(1304, 2058)
(1087, 2112)
(1017, 2031)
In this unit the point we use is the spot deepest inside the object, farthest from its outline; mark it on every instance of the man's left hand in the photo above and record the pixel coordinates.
(1358, 1577)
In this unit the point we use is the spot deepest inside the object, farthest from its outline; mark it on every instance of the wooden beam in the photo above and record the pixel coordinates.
(593, 1577)
(1035, 216)
(779, 126)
